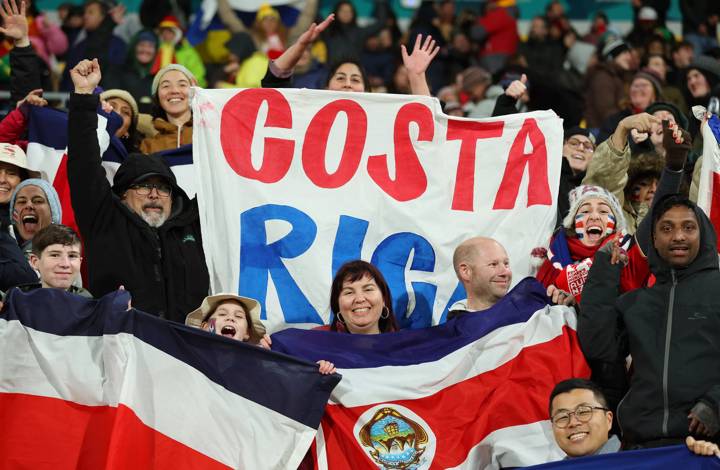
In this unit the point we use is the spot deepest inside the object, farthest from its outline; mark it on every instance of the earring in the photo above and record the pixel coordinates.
(340, 318)
(385, 312)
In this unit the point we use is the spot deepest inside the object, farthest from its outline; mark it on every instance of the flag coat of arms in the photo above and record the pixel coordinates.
(88, 384)
(471, 393)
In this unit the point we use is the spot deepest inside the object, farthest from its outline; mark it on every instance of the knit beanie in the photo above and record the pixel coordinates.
(584, 192)
(651, 77)
(709, 67)
(123, 95)
(614, 48)
(168, 68)
(50, 194)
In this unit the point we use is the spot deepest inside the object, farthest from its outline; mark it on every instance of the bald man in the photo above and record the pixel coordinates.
(483, 267)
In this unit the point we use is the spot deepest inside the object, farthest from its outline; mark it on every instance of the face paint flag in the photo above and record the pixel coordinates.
(89, 384)
(471, 393)
(645, 459)
(294, 183)
(709, 190)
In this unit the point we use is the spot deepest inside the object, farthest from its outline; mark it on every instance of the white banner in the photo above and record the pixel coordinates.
(293, 183)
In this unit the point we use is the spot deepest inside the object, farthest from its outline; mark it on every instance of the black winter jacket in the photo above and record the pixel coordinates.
(163, 269)
(672, 331)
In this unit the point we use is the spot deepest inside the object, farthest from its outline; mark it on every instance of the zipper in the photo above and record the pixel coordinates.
(179, 133)
(666, 360)
(622, 433)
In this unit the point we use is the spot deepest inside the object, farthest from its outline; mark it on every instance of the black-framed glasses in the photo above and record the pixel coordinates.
(583, 413)
(144, 189)
(580, 144)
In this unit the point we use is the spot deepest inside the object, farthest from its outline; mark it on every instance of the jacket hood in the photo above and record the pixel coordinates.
(707, 257)
(137, 165)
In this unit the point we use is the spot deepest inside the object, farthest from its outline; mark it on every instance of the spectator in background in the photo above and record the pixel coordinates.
(344, 38)
(699, 23)
(645, 89)
(598, 28)
(172, 115)
(682, 55)
(135, 74)
(57, 256)
(671, 94)
(71, 18)
(647, 26)
(96, 40)
(246, 65)
(45, 36)
(379, 59)
(475, 83)
(496, 32)
(35, 205)
(173, 48)
(309, 72)
(124, 105)
(605, 83)
(543, 54)
(142, 232)
(153, 11)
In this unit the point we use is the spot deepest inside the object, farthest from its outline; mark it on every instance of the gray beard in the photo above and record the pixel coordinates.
(154, 220)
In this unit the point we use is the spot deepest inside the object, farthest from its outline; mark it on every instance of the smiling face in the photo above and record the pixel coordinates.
(579, 439)
(677, 236)
(9, 178)
(594, 221)
(58, 265)
(347, 77)
(361, 303)
(578, 149)
(485, 272)
(31, 212)
(229, 320)
(122, 108)
(174, 93)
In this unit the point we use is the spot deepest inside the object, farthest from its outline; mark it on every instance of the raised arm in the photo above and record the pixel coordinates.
(229, 18)
(307, 15)
(417, 63)
(287, 61)
(90, 190)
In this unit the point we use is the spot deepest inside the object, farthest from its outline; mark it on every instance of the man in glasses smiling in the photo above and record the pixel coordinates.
(581, 420)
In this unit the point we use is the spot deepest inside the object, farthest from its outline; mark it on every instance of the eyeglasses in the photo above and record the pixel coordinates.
(578, 144)
(583, 413)
(144, 189)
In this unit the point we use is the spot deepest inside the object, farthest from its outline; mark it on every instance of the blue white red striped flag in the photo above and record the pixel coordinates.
(709, 187)
(647, 459)
(471, 393)
(86, 384)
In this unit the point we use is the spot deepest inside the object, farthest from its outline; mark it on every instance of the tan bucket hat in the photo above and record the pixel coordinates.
(210, 303)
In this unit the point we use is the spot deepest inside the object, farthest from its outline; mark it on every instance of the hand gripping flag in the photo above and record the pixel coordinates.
(471, 393)
(709, 190)
(646, 459)
(88, 384)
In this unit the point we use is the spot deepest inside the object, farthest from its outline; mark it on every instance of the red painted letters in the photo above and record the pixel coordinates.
(410, 180)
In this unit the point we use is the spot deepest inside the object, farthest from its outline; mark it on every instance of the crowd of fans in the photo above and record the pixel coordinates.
(631, 251)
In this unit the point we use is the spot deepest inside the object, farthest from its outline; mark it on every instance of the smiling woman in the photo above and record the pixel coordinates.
(360, 300)
(172, 114)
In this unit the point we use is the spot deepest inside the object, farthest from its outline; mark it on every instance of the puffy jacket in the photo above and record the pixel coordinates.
(169, 136)
(672, 331)
(163, 269)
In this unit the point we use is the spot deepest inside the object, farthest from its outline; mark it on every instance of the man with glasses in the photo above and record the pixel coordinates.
(143, 232)
(581, 420)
